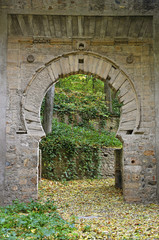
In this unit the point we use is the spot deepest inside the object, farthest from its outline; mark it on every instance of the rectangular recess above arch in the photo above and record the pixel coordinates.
(75, 27)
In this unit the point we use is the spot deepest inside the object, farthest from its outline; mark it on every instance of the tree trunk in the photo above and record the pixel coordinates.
(108, 97)
(48, 110)
(93, 83)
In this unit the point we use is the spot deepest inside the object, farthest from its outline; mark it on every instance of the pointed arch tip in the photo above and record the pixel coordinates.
(85, 62)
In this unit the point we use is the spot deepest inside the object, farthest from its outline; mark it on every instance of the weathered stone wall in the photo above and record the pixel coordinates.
(107, 166)
(156, 76)
(139, 167)
(132, 43)
(105, 169)
(94, 7)
(111, 124)
(20, 71)
(3, 96)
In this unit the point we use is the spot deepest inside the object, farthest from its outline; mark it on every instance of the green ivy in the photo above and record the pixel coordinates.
(33, 220)
(76, 95)
(73, 152)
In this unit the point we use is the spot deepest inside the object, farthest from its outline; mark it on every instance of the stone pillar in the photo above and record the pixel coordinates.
(40, 165)
(118, 168)
(3, 50)
(139, 168)
(132, 169)
(21, 178)
(156, 75)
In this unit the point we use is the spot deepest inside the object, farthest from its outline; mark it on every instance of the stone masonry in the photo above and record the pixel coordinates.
(107, 164)
(110, 124)
(41, 41)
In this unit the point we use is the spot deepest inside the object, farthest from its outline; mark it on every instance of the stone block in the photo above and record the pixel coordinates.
(13, 56)
(26, 161)
(132, 195)
(107, 163)
(149, 153)
(23, 181)
(14, 188)
(34, 180)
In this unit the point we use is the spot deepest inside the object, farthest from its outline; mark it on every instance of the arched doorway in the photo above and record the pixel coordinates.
(80, 116)
(87, 63)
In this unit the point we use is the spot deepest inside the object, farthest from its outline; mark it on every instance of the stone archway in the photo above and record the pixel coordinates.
(103, 68)
(43, 31)
(80, 62)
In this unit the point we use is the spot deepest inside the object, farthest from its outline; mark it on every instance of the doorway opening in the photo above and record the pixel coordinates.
(91, 64)
(81, 140)
(78, 170)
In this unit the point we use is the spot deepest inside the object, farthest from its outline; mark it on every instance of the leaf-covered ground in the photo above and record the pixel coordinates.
(98, 210)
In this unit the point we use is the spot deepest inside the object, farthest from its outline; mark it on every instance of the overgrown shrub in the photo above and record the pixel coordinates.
(83, 95)
(73, 152)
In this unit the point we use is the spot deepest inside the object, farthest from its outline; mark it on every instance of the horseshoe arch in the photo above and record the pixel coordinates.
(87, 63)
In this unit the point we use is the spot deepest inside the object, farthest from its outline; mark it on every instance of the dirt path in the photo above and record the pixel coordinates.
(98, 210)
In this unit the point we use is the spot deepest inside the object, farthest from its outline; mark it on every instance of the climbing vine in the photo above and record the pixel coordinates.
(84, 96)
(72, 150)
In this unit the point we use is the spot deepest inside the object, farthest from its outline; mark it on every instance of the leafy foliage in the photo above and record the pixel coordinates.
(90, 209)
(81, 83)
(83, 95)
(72, 151)
(34, 220)
(65, 156)
(81, 135)
(99, 212)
